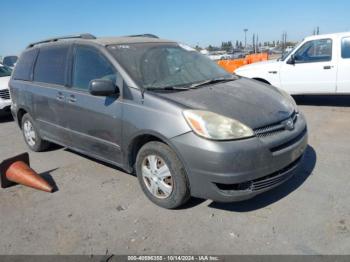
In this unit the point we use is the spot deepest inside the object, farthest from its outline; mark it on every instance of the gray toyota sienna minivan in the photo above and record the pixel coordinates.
(162, 110)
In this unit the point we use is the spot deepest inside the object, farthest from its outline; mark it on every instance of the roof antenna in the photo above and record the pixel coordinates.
(143, 93)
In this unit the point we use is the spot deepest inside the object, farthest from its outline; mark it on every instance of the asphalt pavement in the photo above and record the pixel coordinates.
(99, 209)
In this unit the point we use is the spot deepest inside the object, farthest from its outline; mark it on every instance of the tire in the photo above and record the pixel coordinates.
(164, 157)
(36, 144)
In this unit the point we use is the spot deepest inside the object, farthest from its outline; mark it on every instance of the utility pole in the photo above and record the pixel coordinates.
(254, 43)
(245, 38)
(254, 47)
(284, 41)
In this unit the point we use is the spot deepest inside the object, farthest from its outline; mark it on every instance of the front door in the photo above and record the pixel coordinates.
(94, 121)
(314, 70)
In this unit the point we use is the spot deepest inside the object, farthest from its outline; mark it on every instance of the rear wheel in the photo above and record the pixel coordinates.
(162, 176)
(31, 135)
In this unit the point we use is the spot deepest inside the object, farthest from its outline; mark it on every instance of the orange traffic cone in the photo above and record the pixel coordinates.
(16, 170)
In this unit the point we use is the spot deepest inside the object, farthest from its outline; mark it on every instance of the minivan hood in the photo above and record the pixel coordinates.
(248, 101)
(4, 82)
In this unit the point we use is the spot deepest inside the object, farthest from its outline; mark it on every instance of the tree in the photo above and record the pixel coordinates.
(226, 46)
(198, 48)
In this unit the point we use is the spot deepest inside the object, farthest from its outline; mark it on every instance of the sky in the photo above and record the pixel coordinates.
(201, 22)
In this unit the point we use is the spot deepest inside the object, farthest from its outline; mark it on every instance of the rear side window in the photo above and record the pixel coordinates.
(10, 60)
(24, 65)
(50, 66)
(345, 47)
(90, 65)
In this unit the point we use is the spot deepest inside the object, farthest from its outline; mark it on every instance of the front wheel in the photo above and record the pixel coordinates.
(162, 176)
(31, 135)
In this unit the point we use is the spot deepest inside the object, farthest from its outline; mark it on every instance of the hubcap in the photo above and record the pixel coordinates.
(157, 176)
(29, 133)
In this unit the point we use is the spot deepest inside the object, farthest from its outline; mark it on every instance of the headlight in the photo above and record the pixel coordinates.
(289, 98)
(213, 126)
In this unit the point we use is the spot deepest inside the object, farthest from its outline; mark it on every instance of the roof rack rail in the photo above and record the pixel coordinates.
(144, 35)
(82, 36)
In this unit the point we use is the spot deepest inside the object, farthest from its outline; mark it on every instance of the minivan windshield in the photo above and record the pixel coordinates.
(5, 71)
(167, 65)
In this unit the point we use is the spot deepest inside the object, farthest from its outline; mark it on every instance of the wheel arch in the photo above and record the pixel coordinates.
(261, 80)
(20, 113)
(139, 140)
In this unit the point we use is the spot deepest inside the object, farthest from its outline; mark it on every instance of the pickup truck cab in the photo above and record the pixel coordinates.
(320, 64)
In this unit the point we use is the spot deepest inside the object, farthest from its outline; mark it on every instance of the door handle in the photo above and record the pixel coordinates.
(72, 99)
(327, 67)
(60, 96)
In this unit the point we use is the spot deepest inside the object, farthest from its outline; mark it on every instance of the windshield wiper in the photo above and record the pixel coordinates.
(194, 85)
(166, 88)
(212, 81)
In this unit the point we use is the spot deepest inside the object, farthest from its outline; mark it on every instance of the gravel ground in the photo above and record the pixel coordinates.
(99, 209)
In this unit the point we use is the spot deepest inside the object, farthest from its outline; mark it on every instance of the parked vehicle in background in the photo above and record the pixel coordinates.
(219, 55)
(10, 61)
(238, 55)
(320, 64)
(5, 100)
(161, 109)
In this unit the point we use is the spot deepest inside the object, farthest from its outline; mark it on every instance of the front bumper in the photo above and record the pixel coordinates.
(5, 104)
(230, 171)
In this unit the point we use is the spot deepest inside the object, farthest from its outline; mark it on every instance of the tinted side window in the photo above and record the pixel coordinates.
(89, 65)
(315, 51)
(24, 65)
(51, 64)
(345, 48)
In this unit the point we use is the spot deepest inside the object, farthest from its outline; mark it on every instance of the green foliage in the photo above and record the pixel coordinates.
(226, 46)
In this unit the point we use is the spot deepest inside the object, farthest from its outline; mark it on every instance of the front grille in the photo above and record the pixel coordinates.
(290, 142)
(5, 94)
(275, 128)
(262, 182)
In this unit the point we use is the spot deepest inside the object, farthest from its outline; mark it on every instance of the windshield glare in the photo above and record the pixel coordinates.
(5, 71)
(160, 65)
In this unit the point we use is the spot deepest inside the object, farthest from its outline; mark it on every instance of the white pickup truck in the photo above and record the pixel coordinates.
(320, 64)
(5, 99)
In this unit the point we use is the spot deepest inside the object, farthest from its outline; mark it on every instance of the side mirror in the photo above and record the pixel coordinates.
(103, 87)
(291, 60)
